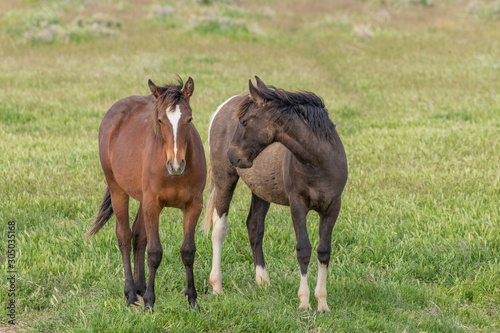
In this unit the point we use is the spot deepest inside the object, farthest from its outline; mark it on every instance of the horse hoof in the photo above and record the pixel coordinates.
(263, 284)
(141, 300)
(305, 306)
(261, 277)
(215, 282)
(323, 307)
(132, 301)
(194, 306)
(217, 289)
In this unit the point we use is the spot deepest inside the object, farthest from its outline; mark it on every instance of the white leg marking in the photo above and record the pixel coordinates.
(174, 117)
(219, 229)
(213, 117)
(320, 291)
(261, 276)
(304, 293)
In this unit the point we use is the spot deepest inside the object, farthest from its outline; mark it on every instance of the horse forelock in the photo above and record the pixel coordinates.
(171, 95)
(283, 107)
(243, 107)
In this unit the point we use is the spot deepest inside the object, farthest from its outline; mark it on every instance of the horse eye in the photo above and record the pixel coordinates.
(160, 122)
(190, 120)
(243, 123)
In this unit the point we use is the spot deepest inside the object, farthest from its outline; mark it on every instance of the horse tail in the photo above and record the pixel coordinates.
(105, 213)
(209, 212)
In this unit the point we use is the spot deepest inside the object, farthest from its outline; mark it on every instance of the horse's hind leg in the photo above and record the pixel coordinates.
(223, 195)
(326, 224)
(255, 226)
(119, 200)
(299, 213)
(139, 244)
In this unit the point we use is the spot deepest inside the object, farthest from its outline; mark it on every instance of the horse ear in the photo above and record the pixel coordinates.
(188, 88)
(255, 95)
(260, 84)
(155, 90)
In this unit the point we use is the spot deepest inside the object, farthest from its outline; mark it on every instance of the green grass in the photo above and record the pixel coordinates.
(417, 243)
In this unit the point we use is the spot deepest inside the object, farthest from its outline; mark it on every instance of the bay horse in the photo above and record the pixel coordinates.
(286, 149)
(151, 151)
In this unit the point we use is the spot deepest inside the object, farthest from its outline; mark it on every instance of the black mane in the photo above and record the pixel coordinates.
(283, 107)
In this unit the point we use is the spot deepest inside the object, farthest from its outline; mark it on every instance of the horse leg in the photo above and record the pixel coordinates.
(151, 212)
(299, 217)
(139, 245)
(324, 250)
(119, 201)
(222, 199)
(188, 248)
(255, 226)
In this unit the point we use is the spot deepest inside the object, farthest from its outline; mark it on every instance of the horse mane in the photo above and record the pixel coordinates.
(171, 94)
(283, 107)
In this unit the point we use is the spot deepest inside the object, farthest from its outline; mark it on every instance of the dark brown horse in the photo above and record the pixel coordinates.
(150, 151)
(286, 149)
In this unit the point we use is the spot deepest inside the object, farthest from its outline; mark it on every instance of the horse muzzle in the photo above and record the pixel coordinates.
(176, 169)
(238, 161)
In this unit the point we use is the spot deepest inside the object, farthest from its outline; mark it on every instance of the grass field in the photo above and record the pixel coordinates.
(413, 87)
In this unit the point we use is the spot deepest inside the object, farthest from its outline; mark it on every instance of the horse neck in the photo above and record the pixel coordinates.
(305, 146)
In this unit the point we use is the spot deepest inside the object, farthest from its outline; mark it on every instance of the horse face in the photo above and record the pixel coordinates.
(252, 135)
(175, 128)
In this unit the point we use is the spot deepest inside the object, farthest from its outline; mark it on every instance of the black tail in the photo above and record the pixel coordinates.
(105, 213)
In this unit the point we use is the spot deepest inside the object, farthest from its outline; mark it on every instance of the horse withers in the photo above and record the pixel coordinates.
(286, 149)
(151, 151)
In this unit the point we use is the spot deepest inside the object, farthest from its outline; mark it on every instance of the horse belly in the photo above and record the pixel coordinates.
(265, 177)
(126, 163)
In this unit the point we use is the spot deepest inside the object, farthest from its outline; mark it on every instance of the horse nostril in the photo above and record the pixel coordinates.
(170, 167)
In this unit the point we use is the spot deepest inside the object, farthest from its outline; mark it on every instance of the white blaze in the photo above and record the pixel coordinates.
(174, 117)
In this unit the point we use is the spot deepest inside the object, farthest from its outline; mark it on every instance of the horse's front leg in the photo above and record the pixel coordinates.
(188, 248)
(299, 213)
(151, 211)
(326, 224)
